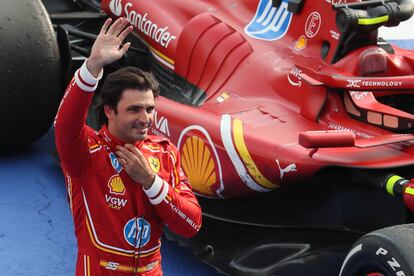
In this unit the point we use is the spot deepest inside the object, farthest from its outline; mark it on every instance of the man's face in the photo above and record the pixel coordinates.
(133, 116)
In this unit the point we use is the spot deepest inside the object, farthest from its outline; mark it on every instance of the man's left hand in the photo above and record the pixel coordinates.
(135, 165)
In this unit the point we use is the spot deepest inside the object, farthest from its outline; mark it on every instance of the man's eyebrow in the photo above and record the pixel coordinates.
(139, 106)
(134, 105)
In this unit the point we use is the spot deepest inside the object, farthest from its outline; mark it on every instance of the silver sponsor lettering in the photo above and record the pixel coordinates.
(190, 221)
(178, 211)
(342, 128)
(359, 96)
(183, 216)
(382, 83)
(335, 35)
(312, 25)
(149, 28)
(359, 83)
(336, 2)
(353, 83)
(289, 168)
(294, 77)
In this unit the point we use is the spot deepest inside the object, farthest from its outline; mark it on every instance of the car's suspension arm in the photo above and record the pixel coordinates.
(398, 186)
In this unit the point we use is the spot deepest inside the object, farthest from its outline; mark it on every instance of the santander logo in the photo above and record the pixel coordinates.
(142, 22)
(116, 7)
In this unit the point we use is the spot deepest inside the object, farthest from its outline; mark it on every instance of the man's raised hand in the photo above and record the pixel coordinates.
(107, 46)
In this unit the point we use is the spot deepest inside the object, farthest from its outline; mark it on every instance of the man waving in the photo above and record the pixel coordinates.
(123, 184)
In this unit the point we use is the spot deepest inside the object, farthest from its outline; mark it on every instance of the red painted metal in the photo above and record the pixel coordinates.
(261, 95)
(189, 37)
(408, 196)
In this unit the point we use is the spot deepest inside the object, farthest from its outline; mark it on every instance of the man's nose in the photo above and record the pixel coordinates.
(144, 117)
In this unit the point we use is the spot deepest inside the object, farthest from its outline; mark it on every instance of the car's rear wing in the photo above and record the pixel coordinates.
(359, 96)
(389, 84)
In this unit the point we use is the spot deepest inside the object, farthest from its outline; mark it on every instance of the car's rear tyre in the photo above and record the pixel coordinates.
(30, 72)
(388, 251)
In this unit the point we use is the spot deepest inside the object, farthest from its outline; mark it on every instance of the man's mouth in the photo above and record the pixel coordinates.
(141, 129)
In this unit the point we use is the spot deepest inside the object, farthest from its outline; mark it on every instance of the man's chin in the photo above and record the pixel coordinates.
(140, 136)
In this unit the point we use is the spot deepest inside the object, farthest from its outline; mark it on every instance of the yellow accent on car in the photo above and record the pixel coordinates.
(225, 95)
(301, 43)
(246, 157)
(409, 191)
(161, 55)
(373, 21)
(391, 182)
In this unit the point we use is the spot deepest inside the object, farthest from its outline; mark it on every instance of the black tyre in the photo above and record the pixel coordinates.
(30, 72)
(388, 251)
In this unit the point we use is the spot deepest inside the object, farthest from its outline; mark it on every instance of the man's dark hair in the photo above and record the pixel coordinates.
(115, 84)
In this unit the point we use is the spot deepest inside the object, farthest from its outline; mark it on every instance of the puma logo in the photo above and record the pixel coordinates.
(289, 168)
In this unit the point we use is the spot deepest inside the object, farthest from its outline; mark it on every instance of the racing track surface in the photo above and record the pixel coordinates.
(36, 228)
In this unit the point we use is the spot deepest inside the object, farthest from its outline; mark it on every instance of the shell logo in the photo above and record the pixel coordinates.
(116, 186)
(198, 165)
(301, 43)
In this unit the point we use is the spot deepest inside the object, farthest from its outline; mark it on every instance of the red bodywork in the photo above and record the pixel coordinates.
(274, 111)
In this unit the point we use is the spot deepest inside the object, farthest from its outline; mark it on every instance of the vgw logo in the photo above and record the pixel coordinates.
(269, 23)
(137, 232)
(116, 7)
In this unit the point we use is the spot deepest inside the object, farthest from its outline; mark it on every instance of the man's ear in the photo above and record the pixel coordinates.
(109, 112)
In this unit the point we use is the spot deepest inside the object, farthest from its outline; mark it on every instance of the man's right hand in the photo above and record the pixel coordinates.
(107, 46)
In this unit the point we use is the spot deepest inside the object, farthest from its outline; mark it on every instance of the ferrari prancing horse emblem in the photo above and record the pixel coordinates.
(154, 163)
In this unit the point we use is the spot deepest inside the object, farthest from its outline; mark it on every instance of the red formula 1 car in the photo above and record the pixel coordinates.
(294, 120)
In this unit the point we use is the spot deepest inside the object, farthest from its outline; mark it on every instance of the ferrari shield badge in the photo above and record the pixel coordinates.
(154, 163)
(269, 23)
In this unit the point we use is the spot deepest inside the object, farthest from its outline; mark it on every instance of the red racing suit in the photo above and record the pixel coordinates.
(118, 224)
